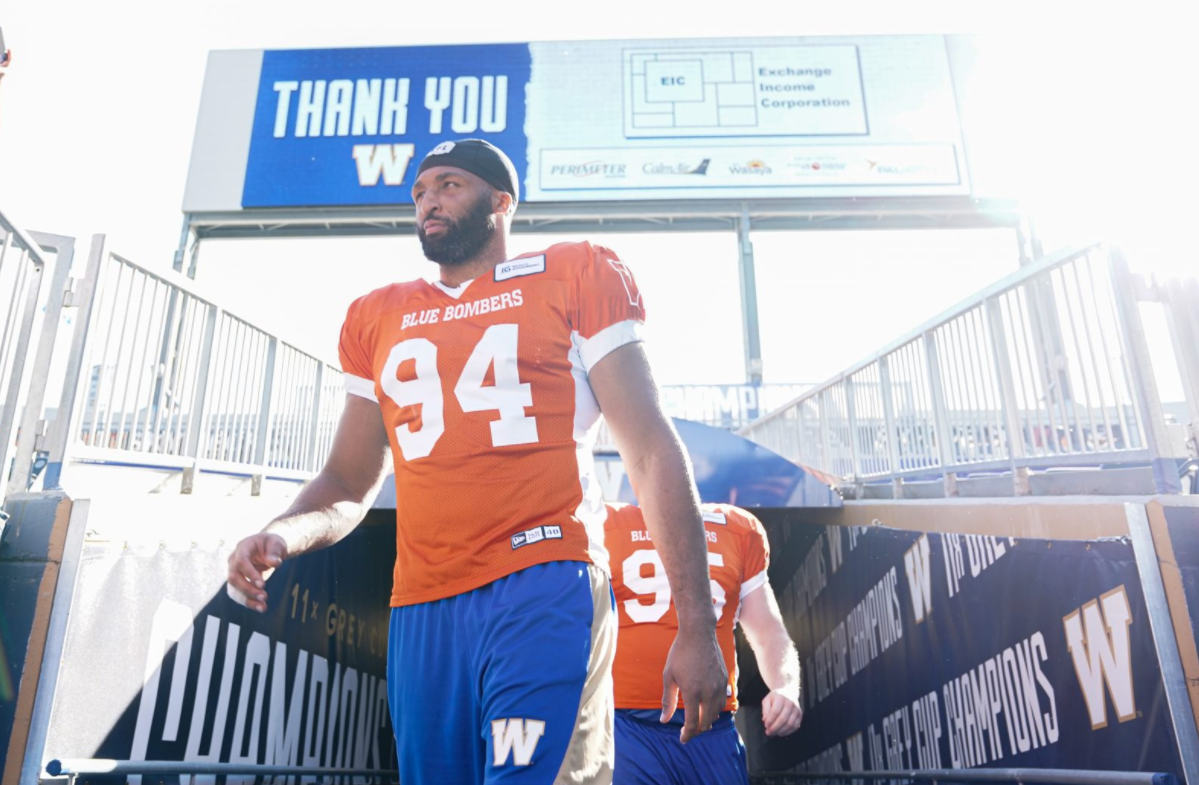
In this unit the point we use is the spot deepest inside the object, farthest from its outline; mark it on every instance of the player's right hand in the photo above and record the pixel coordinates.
(250, 564)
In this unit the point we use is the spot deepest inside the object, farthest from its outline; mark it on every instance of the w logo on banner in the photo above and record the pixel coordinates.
(516, 737)
(915, 563)
(626, 277)
(389, 161)
(1097, 637)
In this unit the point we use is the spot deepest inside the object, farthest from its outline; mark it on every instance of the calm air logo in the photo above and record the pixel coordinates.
(516, 738)
(1097, 636)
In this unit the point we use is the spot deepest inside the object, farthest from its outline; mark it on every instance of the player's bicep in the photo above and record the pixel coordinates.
(360, 451)
(760, 618)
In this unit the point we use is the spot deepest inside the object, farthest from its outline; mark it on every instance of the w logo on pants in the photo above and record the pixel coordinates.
(516, 737)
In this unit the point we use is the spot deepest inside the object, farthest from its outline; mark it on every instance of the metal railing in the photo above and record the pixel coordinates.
(162, 376)
(947, 776)
(1046, 368)
(27, 261)
(74, 768)
(21, 270)
(192, 771)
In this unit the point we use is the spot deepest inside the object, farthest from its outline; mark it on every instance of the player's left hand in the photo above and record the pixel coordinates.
(781, 713)
(695, 672)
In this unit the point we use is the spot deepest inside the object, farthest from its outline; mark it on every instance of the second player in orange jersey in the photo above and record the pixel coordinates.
(647, 753)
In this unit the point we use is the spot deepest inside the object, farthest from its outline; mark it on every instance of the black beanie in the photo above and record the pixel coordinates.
(480, 158)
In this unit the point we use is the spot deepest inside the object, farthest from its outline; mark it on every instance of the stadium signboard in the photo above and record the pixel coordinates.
(584, 121)
(160, 664)
(938, 650)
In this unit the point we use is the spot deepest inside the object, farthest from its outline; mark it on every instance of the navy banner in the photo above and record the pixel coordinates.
(160, 664)
(926, 650)
(345, 126)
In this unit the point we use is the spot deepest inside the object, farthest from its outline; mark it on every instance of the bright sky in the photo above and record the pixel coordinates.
(1092, 120)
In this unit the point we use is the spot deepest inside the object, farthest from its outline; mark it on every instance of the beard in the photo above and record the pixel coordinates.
(462, 239)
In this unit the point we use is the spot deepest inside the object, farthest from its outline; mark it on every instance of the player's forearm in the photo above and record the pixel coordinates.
(666, 493)
(323, 512)
(778, 661)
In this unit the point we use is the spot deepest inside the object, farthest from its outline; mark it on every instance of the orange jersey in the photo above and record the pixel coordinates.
(485, 396)
(738, 556)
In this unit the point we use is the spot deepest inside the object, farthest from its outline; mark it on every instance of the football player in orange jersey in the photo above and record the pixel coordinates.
(484, 387)
(738, 555)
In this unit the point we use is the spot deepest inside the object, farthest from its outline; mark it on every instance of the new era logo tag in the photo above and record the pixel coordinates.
(536, 534)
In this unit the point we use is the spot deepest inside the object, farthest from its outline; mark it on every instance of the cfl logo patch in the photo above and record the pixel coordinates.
(516, 738)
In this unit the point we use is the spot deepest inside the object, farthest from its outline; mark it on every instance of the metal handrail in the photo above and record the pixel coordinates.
(1002, 286)
(1058, 776)
(160, 374)
(27, 242)
(23, 275)
(71, 767)
(1047, 367)
(76, 766)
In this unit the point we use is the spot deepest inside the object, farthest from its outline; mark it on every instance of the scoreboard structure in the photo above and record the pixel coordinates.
(647, 135)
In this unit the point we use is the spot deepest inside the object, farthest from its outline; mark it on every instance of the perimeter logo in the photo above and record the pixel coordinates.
(589, 169)
(1098, 640)
(516, 738)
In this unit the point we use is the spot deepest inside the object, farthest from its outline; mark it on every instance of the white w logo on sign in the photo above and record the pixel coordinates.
(915, 563)
(516, 737)
(389, 161)
(1099, 644)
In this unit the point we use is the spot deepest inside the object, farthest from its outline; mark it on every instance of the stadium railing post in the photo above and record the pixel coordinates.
(30, 432)
(198, 430)
(311, 460)
(1007, 397)
(854, 456)
(1181, 301)
(17, 335)
(83, 295)
(1144, 383)
(262, 450)
(940, 416)
(889, 424)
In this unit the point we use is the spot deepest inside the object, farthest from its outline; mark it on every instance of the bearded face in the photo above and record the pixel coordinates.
(462, 239)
